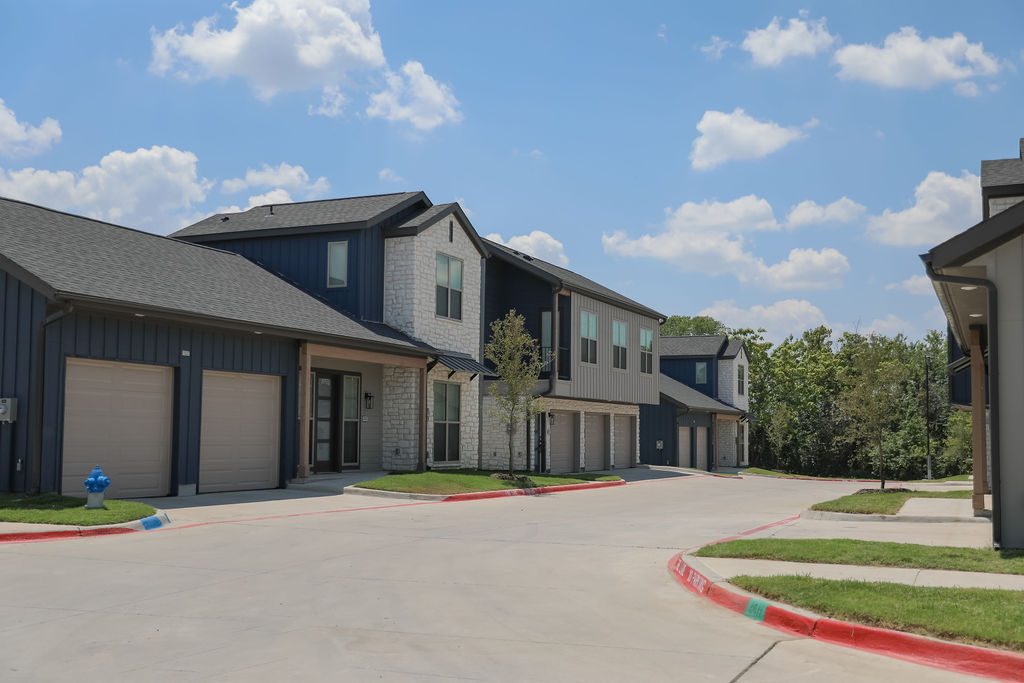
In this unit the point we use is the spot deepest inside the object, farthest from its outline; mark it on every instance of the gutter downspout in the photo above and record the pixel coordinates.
(993, 385)
(35, 472)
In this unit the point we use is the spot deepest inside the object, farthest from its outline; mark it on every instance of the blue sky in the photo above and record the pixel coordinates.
(773, 164)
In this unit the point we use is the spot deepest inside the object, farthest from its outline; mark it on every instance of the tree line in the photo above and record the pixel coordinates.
(848, 406)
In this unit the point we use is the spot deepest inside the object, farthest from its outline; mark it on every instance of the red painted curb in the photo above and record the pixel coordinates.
(31, 536)
(968, 659)
(504, 493)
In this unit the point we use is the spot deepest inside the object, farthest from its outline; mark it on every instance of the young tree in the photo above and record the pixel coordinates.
(516, 358)
(685, 325)
(873, 380)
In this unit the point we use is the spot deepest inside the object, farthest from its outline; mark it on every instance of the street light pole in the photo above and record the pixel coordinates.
(927, 415)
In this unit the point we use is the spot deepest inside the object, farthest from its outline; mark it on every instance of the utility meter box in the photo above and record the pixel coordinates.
(8, 409)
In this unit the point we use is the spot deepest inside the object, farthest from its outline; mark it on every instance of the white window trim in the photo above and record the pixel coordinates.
(616, 346)
(449, 287)
(597, 340)
(329, 245)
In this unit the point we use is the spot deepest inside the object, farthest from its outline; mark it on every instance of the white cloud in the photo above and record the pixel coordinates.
(709, 238)
(935, 318)
(275, 45)
(275, 196)
(389, 176)
(809, 212)
(907, 61)
(416, 97)
(539, 244)
(780, 319)
(332, 103)
(802, 37)
(20, 139)
(967, 89)
(889, 326)
(461, 201)
(284, 176)
(915, 284)
(944, 205)
(714, 49)
(663, 32)
(725, 137)
(146, 188)
(537, 154)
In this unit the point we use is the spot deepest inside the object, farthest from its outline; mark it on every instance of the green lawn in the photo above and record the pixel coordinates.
(870, 553)
(447, 482)
(881, 503)
(955, 477)
(53, 508)
(970, 615)
(775, 473)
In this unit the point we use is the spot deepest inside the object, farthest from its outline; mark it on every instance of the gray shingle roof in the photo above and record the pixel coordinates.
(571, 280)
(692, 345)
(426, 217)
(298, 214)
(679, 393)
(82, 258)
(732, 348)
(1002, 172)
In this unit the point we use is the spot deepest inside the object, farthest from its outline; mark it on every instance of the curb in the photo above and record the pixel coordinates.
(838, 481)
(967, 659)
(482, 495)
(856, 517)
(160, 519)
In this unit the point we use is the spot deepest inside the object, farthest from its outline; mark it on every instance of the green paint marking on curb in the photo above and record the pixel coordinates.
(755, 609)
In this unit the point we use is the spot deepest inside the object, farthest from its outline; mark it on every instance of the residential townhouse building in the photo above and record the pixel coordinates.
(701, 418)
(600, 350)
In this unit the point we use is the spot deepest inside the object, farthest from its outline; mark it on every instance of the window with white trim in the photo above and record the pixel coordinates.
(700, 371)
(449, 287)
(620, 346)
(646, 351)
(588, 337)
(337, 264)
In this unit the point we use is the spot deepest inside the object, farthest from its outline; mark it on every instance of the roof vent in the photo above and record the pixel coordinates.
(270, 210)
(225, 218)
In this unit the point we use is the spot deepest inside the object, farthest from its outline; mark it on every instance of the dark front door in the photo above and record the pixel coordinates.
(335, 441)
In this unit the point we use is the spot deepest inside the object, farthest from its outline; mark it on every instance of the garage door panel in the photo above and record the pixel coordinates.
(240, 438)
(118, 416)
(564, 451)
(684, 447)
(625, 441)
(702, 448)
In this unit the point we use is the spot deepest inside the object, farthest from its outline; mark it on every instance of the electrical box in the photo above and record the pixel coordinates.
(8, 409)
(659, 444)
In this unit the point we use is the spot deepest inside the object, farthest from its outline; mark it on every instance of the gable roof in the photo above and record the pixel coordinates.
(979, 239)
(348, 211)
(996, 172)
(692, 345)
(68, 257)
(690, 398)
(732, 349)
(563, 277)
(433, 215)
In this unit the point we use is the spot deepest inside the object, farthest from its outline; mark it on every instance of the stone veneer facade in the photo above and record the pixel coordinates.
(400, 438)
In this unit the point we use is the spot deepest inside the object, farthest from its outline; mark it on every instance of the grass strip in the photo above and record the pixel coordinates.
(447, 482)
(979, 616)
(881, 503)
(53, 508)
(776, 473)
(870, 554)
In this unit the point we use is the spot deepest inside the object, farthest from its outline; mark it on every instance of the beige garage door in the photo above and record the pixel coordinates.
(702, 448)
(625, 442)
(684, 447)
(564, 439)
(596, 454)
(118, 416)
(239, 445)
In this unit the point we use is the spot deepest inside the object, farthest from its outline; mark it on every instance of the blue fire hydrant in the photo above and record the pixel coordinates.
(95, 485)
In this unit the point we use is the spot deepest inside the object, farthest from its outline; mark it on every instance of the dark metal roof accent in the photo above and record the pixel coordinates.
(345, 211)
(431, 216)
(80, 258)
(693, 345)
(460, 362)
(978, 239)
(568, 279)
(690, 398)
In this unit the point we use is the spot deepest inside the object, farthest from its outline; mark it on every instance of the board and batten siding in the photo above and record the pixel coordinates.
(22, 310)
(101, 336)
(602, 382)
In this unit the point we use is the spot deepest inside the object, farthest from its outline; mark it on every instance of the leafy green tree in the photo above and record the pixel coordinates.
(517, 361)
(874, 383)
(685, 325)
(956, 457)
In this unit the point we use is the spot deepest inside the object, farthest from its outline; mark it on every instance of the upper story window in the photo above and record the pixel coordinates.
(646, 351)
(337, 264)
(741, 376)
(449, 287)
(701, 372)
(588, 337)
(619, 345)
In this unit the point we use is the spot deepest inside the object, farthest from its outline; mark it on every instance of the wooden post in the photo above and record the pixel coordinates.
(978, 441)
(305, 378)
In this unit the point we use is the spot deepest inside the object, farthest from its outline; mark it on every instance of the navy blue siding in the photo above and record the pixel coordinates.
(302, 260)
(106, 337)
(685, 370)
(508, 288)
(22, 310)
(960, 382)
(658, 422)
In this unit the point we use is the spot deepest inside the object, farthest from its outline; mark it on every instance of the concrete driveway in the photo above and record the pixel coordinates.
(283, 586)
